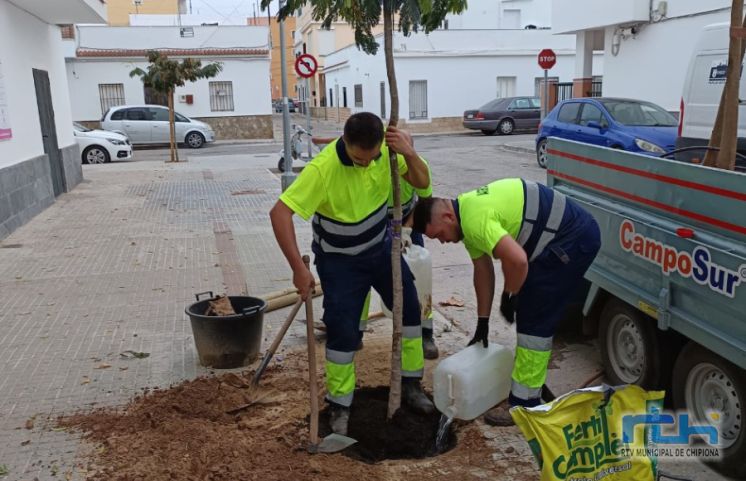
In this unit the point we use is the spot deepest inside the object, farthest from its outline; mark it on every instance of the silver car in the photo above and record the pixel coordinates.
(148, 124)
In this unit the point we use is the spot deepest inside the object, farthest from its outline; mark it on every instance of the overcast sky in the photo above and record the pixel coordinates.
(229, 8)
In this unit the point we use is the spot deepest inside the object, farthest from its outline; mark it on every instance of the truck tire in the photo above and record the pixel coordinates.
(629, 346)
(702, 381)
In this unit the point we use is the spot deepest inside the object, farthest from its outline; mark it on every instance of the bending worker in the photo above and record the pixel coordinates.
(545, 243)
(345, 188)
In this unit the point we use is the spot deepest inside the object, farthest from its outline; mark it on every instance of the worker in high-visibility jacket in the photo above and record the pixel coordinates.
(409, 195)
(545, 243)
(345, 189)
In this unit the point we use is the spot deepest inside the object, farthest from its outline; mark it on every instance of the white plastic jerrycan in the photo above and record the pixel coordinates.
(420, 263)
(472, 381)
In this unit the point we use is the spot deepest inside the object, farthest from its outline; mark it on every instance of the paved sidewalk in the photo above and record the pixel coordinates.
(110, 267)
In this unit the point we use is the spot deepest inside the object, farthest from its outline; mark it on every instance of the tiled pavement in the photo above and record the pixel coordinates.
(110, 267)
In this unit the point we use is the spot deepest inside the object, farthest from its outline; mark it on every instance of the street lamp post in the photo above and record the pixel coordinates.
(288, 176)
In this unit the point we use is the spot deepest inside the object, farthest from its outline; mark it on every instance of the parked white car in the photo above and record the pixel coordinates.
(99, 146)
(148, 124)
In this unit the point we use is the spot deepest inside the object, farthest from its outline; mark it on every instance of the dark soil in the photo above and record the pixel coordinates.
(409, 435)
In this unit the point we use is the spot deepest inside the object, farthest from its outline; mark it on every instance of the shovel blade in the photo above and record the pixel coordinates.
(333, 443)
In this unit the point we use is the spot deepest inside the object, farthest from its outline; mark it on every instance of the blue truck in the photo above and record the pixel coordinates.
(667, 293)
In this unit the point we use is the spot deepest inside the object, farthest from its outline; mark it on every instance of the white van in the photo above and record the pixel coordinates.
(703, 87)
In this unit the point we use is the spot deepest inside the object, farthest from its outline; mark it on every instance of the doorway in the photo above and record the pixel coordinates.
(49, 129)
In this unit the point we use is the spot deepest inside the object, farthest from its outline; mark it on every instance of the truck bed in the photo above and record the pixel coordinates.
(673, 238)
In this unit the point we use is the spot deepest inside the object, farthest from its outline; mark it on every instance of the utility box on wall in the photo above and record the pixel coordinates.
(186, 99)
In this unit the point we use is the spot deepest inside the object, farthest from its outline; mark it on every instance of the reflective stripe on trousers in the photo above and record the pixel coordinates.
(412, 357)
(340, 376)
(531, 215)
(340, 366)
(530, 369)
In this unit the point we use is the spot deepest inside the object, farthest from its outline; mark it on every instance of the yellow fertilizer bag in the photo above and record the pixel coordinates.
(578, 436)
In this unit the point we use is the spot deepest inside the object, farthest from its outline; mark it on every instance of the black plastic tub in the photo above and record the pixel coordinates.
(227, 342)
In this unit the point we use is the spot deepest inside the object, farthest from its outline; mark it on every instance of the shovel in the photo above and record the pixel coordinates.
(333, 442)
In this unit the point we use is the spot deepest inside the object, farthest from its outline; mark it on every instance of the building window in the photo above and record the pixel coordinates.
(505, 87)
(358, 95)
(418, 99)
(331, 98)
(344, 97)
(221, 96)
(111, 95)
(67, 31)
(511, 19)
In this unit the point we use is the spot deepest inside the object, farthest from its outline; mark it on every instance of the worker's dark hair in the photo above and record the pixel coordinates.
(422, 213)
(364, 130)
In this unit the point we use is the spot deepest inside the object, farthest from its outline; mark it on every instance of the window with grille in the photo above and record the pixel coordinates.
(67, 31)
(418, 99)
(358, 95)
(221, 96)
(111, 95)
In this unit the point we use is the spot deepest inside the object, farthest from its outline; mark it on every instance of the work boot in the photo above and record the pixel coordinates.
(499, 416)
(413, 395)
(429, 349)
(338, 419)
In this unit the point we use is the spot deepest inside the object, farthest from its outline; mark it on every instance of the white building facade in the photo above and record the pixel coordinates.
(647, 44)
(446, 72)
(236, 103)
(39, 158)
(502, 14)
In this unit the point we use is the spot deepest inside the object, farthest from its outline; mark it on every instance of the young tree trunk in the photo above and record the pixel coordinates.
(396, 341)
(727, 155)
(172, 128)
(717, 134)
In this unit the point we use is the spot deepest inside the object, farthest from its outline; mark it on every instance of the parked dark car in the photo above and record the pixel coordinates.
(627, 124)
(505, 115)
(277, 104)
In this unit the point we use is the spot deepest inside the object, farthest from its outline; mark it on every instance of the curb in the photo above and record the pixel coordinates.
(517, 148)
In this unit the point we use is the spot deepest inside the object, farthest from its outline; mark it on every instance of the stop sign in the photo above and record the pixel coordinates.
(547, 58)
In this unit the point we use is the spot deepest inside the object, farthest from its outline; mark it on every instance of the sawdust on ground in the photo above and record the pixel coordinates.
(184, 433)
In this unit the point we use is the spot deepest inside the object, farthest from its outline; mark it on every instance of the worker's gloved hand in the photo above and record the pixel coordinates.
(508, 305)
(483, 330)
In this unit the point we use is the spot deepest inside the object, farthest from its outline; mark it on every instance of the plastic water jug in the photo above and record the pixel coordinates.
(472, 381)
(419, 262)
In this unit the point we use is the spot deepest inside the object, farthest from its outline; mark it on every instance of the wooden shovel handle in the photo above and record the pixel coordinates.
(311, 340)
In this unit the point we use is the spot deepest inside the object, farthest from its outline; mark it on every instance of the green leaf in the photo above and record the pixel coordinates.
(4, 470)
